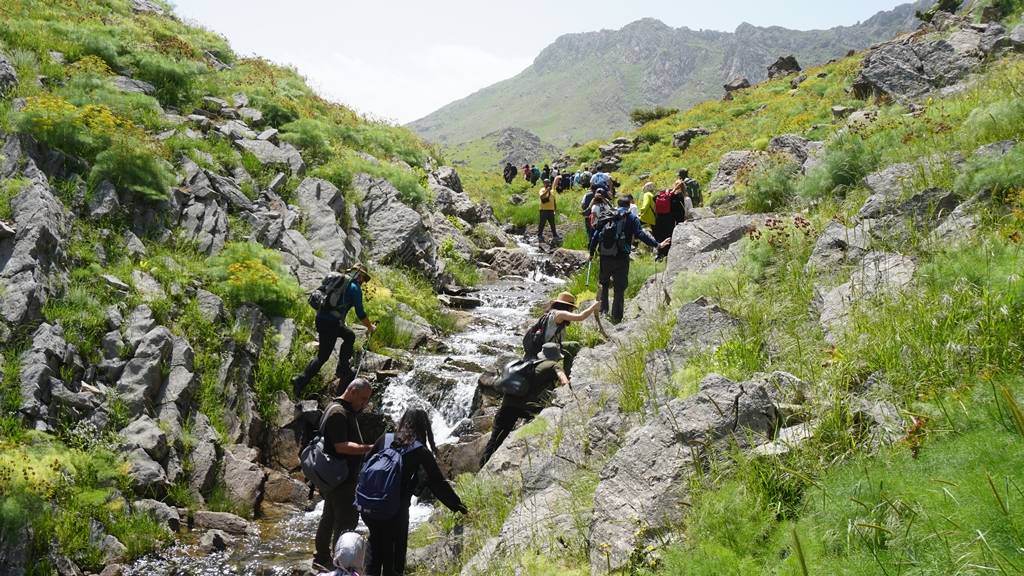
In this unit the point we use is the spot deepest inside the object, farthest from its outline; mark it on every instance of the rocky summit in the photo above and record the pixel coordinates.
(821, 376)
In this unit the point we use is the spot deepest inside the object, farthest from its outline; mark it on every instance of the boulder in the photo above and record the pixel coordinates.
(1017, 37)
(230, 192)
(238, 130)
(606, 164)
(146, 475)
(210, 306)
(160, 512)
(735, 84)
(643, 488)
(457, 204)
(446, 177)
(147, 286)
(888, 184)
(839, 245)
(146, 434)
(268, 153)
(147, 7)
(142, 376)
(564, 262)
(399, 233)
(104, 200)
(463, 456)
(134, 245)
(140, 322)
(8, 76)
(701, 327)
(878, 273)
(508, 261)
(883, 422)
(224, 521)
(784, 66)
(617, 147)
(40, 366)
(909, 68)
(703, 245)
(243, 476)
(205, 222)
(113, 550)
(125, 84)
(683, 138)
(213, 541)
(14, 550)
(180, 384)
(283, 489)
(202, 475)
(840, 112)
(323, 207)
(801, 150)
(731, 166)
(251, 115)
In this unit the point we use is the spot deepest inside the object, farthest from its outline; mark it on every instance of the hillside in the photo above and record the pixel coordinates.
(585, 85)
(491, 152)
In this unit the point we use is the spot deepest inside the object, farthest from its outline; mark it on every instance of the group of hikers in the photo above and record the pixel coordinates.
(376, 480)
(531, 173)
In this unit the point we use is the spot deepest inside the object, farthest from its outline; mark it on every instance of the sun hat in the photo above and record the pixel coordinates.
(550, 352)
(361, 270)
(565, 298)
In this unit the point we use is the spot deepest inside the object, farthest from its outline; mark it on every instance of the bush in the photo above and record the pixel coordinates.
(246, 272)
(770, 186)
(82, 132)
(1000, 175)
(641, 116)
(311, 135)
(135, 167)
(847, 161)
(174, 81)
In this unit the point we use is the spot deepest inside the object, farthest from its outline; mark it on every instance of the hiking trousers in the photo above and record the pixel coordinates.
(339, 516)
(329, 329)
(389, 542)
(614, 277)
(545, 217)
(664, 225)
(504, 423)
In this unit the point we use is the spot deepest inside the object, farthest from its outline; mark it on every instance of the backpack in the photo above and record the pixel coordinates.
(534, 339)
(332, 291)
(585, 179)
(326, 470)
(585, 204)
(663, 203)
(693, 189)
(612, 235)
(602, 179)
(515, 378)
(379, 491)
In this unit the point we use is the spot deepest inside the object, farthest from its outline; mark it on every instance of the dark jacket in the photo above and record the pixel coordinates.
(341, 426)
(633, 227)
(412, 462)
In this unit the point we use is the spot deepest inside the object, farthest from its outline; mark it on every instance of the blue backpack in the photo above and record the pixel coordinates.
(602, 180)
(379, 491)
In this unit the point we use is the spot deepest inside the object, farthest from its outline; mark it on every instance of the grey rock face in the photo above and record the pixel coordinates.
(508, 261)
(243, 476)
(205, 454)
(705, 244)
(236, 130)
(142, 376)
(145, 433)
(282, 489)
(104, 200)
(731, 166)
(211, 305)
(140, 322)
(683, 138)
(147, 476)
(839, 245)
(801, 150)
(161, 512)
(8, 76)
(1017, 37)
(125, 84)
(736, 84)
(323, 208)
(878, 273)
(447, 177)
(398, 232)
(269, 153)
(205, 222)
(700, 327)
(644, 484)
(147, 286)
(453, 203)
(40, 366)
(783, 66)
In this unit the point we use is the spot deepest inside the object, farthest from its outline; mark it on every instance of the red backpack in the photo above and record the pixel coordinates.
(663, 203)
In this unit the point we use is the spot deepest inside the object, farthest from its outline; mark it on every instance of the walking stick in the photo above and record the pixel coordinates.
(589, 266)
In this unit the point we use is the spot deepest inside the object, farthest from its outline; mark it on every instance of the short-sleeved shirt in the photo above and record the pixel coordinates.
(341, 426)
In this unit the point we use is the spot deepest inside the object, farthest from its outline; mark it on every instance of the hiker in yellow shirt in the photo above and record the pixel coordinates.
(647, 215)
(547, 212)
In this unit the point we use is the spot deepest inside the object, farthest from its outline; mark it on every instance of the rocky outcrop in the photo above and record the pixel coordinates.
(731, 166)
(242, 475)
(839, 245)
(270, 154)
(682, 139)
(702, 245)
(142, 376)
(879, 273)
(40, 369)
(399, 234)
(700, 328)
(508, 261)
(8, 75)
(784, 66)
(617, 147)
(324, 210)
(734, 85)
(804, 153)
(643, 488)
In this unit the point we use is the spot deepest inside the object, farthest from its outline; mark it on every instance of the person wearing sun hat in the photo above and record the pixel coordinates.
(542, 374)
(550, 327)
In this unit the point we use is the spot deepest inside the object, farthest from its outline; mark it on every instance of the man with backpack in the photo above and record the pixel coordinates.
(548, 206)
(669, 210)
(689, 187)
(510, 173)
(613, 240)
(534, 175)
(337, 294)
(341, 437)
(537, 378)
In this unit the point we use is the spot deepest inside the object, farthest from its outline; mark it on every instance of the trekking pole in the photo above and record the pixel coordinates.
(366, 348)
(589, 266)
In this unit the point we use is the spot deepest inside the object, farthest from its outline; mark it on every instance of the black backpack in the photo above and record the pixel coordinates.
(693, 189)
(332, 291)
(533, 340)
(611, 228)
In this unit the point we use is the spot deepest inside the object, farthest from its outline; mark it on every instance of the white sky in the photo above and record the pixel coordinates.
(401, 60)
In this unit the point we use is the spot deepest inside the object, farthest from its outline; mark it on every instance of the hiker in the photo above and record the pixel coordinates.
(550, 327)
(545, 173)
(384, 504)
(602, 180)
(647, 215)
(669, 210)
(527, 173)
(535, 175)
(585, 177)
(599, 205)
(510, 173)
(341, 294)
(349, 555)
(548, 206)
(541, 374)
(691, 188)
(342, 438)
(612, 239)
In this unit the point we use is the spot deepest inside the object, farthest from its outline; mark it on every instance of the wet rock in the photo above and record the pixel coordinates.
(643, 488)
(682, 139)
(731, 166)
(242, 476)
(215, 541)
(508, 261)
(146, 434)
(564, 262)
(283, 489)
(839, 245)
(224, 521)
(463, 456)
(784, 66)
(878, 273)
(162, 513)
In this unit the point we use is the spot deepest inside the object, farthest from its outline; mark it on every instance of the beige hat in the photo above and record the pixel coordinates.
(361, 271)
(565, 298)
(649, 187)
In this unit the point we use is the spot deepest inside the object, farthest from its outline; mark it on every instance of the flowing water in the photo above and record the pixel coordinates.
(442, 383)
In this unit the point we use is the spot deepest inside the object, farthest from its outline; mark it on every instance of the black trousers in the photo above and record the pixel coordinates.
(545, 217)
(329, 329)
(504, 423)
(389, 542)
(614, 275)
(339, 516)
(664, 225)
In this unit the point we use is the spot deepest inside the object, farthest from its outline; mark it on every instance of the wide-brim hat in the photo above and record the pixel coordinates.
(550, 352)
(360, 270)
(565, 298)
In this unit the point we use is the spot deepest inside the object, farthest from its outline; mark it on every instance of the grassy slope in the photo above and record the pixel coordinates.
(945, 499)
(79, 112)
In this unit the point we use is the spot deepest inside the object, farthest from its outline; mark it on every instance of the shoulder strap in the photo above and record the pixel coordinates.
(327, 413)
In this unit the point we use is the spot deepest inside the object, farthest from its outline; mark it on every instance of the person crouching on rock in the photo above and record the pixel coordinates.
(386, 485)
(550, 327)
(342, 293)
(541, 375)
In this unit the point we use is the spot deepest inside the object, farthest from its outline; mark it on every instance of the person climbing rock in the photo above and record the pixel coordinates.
(669, 210)
(550, 327)
(548, 206)
(342, 438)
(389, 533)
(613, 240)
(340, 293)
(542, 374)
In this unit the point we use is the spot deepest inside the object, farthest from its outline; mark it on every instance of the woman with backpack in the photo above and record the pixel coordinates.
(550, 327)
(669, 210)
(384, 505)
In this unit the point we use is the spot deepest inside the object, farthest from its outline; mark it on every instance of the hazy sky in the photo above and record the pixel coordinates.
(402, 60)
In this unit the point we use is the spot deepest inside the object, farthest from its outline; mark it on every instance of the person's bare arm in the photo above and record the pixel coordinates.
(562, 316)
(351, 448)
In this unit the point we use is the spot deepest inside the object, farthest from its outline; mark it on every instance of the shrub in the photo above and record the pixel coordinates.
(1000, 175)
(135, 167)
(246, 272)
(174, 81)
(313, 136)
(770, 186)
(641, 116)
(90, 88)
(82, 132)
(847, 161)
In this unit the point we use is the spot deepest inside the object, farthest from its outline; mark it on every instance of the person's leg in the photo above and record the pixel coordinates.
(621, 280)
(604, 279)
(346, 517)
(324, 533)
(540, 227)
(504, 422)
(551, 219)
(378, 549)
(327, 334)
(401, 544)
(344, 371)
